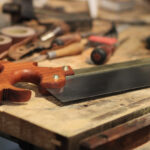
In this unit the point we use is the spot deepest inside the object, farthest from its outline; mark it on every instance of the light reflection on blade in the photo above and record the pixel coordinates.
(79, 87)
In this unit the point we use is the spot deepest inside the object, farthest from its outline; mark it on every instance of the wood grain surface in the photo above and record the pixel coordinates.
(45, 123)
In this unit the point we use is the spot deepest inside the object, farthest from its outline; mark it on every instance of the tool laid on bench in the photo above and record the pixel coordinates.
(102, 53)
(45, 77)
(69, 85)
(75, 48)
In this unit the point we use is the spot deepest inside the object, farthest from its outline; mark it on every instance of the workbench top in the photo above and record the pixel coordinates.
(46, 123)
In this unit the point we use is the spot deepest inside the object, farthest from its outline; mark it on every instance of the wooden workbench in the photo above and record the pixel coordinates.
(47, 124)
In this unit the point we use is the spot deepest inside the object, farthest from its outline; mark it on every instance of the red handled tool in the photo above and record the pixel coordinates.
(97, 40)
(102, 53)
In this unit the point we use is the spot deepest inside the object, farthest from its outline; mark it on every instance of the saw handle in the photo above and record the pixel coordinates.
(44, 77)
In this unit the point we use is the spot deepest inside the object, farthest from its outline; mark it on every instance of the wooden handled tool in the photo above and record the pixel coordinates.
(73, 49)
(20, 49)
(45, 77)
(70, 50)
(65, 40)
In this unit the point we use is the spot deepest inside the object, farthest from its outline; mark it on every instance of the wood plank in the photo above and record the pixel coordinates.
(40, 114)
(44, 122)
(125, 136)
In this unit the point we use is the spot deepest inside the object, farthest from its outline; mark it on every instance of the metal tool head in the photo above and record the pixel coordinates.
(100, 81)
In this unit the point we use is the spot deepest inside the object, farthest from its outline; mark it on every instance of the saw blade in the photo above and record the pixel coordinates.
(104, 80)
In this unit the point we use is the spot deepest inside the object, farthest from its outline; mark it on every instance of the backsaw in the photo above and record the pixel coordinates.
(69, 85)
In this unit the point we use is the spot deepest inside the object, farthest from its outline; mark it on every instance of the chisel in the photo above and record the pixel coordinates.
(70, 50)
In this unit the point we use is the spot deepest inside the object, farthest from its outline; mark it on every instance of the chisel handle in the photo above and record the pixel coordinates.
(73, 49)
(65, 40)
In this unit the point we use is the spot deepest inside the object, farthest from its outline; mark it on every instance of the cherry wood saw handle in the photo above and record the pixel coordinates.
(44, 77)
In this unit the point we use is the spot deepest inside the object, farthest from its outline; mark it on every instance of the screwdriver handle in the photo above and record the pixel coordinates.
(65, 40)
(73, 49)
(102, 40)
(101, 54)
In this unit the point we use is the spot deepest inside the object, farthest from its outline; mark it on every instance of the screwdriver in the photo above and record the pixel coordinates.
(101, 54)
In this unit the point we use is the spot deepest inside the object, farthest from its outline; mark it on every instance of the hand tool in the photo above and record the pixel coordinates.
(81, 84)
(68, 39)
(45, 77)
(99, 40)
(30, 46)
(70, 50)
(52, 34)
(25, 47)
(104, 80)
(69, 45)
(33, 44)
(109, 38)
(60, 28)
(27, 43)
(65, 40)
(102, 53)
(62, 41)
